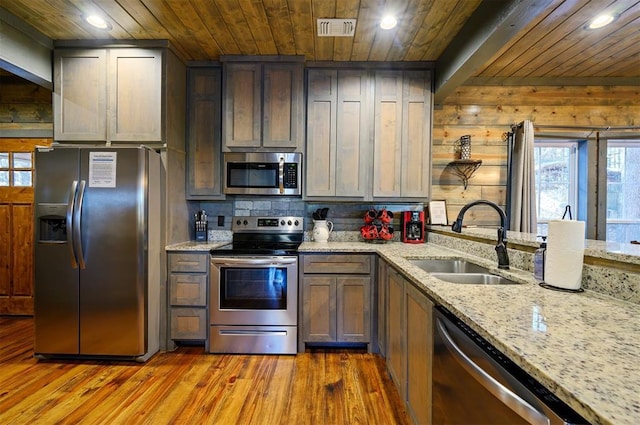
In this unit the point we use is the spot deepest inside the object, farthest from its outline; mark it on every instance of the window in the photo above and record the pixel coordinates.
(16, 169)
(556, 180)
(623, 191)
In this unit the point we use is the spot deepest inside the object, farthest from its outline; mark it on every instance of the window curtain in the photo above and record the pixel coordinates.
(522, 181)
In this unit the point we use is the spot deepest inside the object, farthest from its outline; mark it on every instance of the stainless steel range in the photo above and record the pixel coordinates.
(254, 287)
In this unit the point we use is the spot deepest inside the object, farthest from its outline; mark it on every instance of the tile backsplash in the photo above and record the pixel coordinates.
(346, 216)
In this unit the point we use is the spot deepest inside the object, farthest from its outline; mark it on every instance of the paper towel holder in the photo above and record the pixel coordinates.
(556, 288)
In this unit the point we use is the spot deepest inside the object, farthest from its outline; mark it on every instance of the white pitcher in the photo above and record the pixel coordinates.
(321, 230)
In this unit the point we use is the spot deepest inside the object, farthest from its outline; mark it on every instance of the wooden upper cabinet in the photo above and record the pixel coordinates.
(135, 95)
(108, 95)
(80, 95)
(402, 135)
(263, 106)
(337, 133)
(242, 105)
(204, 175)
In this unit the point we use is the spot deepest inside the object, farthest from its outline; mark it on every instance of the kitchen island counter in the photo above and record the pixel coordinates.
(584, 347)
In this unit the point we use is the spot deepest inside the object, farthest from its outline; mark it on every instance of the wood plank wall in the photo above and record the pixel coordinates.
(24, 106)
(487, 113)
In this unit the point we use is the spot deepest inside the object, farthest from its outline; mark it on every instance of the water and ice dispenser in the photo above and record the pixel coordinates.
(52, 222)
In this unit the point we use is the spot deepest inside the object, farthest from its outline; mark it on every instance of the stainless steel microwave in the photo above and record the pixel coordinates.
(262, 173)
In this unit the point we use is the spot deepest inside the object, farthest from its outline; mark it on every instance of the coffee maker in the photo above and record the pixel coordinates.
(412, 225)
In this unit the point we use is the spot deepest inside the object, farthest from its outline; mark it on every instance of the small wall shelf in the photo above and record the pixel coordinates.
(464, 168)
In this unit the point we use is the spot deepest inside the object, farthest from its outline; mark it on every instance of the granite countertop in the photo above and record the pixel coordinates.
(196, 246)
(584, 347)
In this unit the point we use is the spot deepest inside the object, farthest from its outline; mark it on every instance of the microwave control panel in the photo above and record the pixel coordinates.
(290, 175)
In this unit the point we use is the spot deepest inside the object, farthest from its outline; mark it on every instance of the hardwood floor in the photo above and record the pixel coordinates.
(188, 386)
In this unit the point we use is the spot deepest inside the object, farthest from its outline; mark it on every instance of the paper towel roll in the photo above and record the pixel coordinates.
(565, 254)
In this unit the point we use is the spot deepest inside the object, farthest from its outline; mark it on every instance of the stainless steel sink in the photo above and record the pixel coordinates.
(450, 265)
(474, 278)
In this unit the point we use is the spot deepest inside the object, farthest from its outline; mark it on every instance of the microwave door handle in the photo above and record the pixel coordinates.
(281, 175)
(69, 223)
(504, 394)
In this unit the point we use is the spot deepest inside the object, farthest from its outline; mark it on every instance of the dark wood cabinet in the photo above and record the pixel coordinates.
(263, 105)
(337, 299)
(204, 134)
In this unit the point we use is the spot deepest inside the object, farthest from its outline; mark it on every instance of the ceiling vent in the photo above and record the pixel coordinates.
(336, 27)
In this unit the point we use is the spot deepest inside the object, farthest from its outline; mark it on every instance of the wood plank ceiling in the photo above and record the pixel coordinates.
(545, 43)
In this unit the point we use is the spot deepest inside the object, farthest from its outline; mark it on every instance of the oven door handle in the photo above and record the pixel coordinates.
(504, 394)
(252, 261)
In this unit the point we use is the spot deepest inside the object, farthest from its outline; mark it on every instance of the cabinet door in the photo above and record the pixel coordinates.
(352, 139)
(354, 309)
(188, 323)
(395, 331)
(80, 95)
(188, 289)
(322, 97)
(419, 343)
(383, 284)
(402, 153)
(204, 174)
(337, 133)
(416, 134)
(319, 309)
(242, 113)
(283, 117)
(387, 155)
(135, 95)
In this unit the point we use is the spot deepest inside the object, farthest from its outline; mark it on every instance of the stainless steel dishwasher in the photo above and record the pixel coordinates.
(473, 383)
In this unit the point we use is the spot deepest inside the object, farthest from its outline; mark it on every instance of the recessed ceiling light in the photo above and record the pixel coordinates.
(98, 22)
(388, 22)
(601, 21)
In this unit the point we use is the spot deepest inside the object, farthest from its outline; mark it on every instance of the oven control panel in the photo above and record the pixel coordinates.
(267, 224)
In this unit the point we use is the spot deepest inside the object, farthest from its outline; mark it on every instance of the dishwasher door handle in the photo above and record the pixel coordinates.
(504, 394)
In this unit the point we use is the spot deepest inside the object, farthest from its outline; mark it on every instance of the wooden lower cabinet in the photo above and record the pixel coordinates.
(382, 285)
(336, 299)
(410, 345)
(396, 362)
(188, 277)
(419, 350)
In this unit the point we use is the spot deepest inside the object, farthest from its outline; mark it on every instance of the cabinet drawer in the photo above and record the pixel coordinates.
(188, 289)
(188, 323)
(188, 263)
(336, 263)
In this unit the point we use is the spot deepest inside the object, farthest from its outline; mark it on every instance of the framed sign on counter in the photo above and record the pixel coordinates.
(438, 212)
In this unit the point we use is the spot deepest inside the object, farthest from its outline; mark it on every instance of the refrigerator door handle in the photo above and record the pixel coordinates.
(77, 225)
(69, 221)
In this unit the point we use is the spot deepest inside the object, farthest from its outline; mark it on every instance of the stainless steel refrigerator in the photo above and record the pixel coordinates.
(97, 252)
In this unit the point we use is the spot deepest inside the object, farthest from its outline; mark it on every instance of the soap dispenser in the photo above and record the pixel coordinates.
(538, 260)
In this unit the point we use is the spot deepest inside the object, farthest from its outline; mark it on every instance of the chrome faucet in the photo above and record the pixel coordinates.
(501, 246)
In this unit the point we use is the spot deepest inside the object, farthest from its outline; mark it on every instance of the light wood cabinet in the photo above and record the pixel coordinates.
(396, 350)
(382, 283)
(419, 353)
(263, 105)
(204, 134)
(188, 277)
(111, 95)
(336, 299)
(350, 110)
(402, 135)
(410, 345)
(337, 133)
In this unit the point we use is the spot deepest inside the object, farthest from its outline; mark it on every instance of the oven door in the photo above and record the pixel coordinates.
(254, 291)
